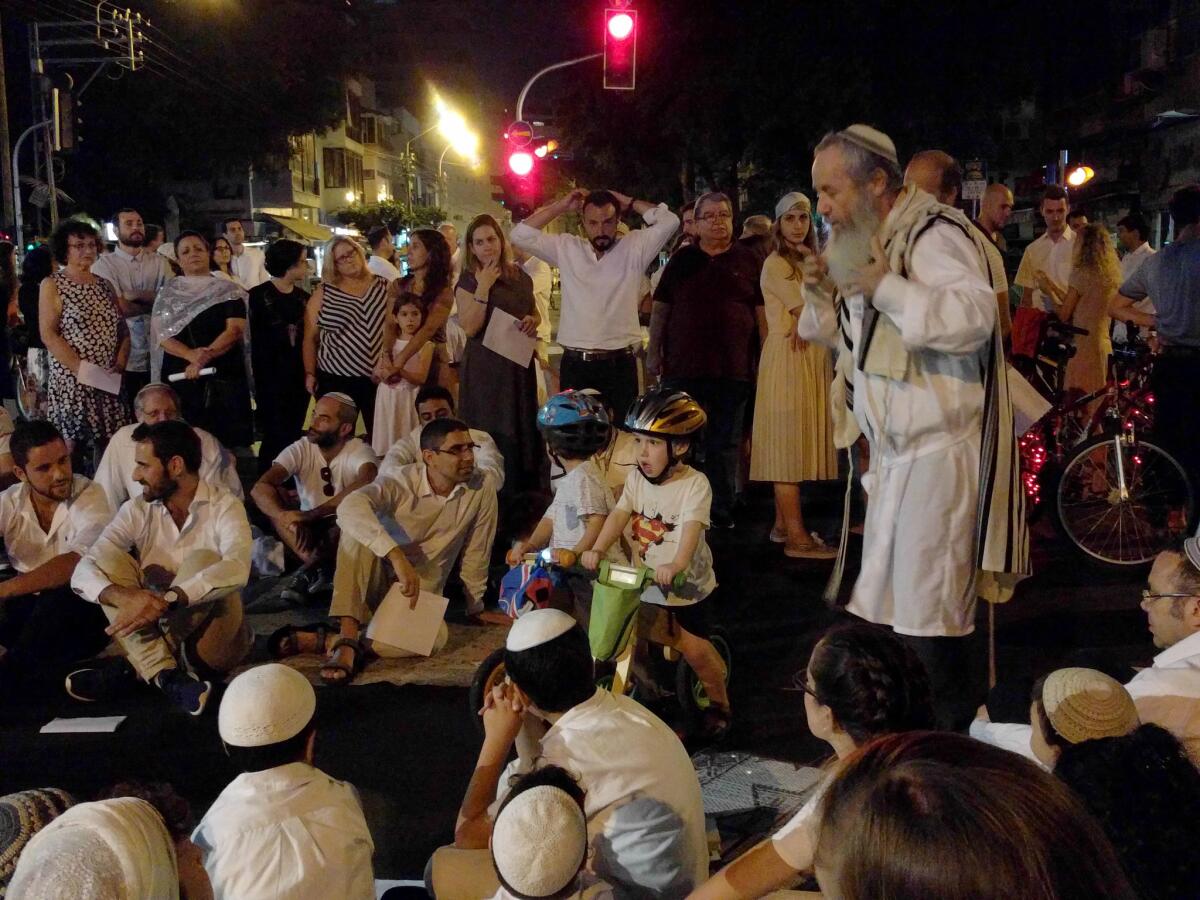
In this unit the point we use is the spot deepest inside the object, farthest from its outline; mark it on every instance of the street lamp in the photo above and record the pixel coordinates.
(454, 129)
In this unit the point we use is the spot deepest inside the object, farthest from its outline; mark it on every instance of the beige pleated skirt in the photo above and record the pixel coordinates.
(793, 432)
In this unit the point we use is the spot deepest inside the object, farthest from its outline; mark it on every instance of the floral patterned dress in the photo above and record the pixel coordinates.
(91, 324)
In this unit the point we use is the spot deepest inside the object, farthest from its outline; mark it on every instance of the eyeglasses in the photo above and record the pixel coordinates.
(345, 257)
(327, 475)
(1148, 595)
(81, 245)
(459, 449)
(812, 692)
(715, 217)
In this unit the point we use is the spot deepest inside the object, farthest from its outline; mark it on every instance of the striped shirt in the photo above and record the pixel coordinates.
(350, 329)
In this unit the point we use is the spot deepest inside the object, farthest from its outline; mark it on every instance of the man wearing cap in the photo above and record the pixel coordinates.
(645, 814)
(283, 829)
(159, 403)
(328, 463)
(903, 295)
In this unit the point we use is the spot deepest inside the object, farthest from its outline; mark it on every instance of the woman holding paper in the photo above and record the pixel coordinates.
(499, 383)
(87, 341)
(199, 323)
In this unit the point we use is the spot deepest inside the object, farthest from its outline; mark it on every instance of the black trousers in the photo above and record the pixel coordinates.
(957, 668)
(724, 401)
(1176, 384)
(45, 631)
(360, 388)
(616, 379)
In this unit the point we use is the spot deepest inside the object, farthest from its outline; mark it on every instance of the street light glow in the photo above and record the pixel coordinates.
(1080, 175)
(620, 26)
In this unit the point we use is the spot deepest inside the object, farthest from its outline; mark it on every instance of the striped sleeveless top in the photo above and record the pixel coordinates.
(350, 329)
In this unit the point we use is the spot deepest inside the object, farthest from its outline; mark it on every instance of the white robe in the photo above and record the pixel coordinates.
(919, 551)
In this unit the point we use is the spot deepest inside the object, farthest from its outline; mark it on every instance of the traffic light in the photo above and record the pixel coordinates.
(620, 48)
(520, 163)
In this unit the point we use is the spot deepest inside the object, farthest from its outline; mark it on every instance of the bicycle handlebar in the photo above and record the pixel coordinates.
(1065, 327)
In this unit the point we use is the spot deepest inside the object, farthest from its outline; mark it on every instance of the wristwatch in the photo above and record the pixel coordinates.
(175, 599)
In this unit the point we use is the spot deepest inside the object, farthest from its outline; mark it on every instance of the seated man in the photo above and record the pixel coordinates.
(327, 464)
(159, 403)
(282, 830)
(443, 508)
(175, 607)
(645, 814)
(48, 522)
(436, 402)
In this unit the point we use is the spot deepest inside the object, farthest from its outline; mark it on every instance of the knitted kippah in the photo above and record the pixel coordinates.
(872, 139)
(539, 841)
(1083, 705)
(344, 399)
(22, 816)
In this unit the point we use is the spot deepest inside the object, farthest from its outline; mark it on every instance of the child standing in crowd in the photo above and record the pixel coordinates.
(575, 426)
(670, 505)
(395, 404)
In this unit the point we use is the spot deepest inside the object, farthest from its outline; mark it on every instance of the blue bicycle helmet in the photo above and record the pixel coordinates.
(574, 423)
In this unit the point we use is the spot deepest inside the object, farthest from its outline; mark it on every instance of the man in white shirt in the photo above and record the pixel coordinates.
(176, 608)
(327, 464)
(159, 403)
(1132, 234)
(383, 253)
(436, 402)
(249, 264)
(543, 286)
(283, 829)
(602, 285)
(450, 232)
(48, 521)
(1048, 257)
(645, 813)
(136, 273)
(420, 518)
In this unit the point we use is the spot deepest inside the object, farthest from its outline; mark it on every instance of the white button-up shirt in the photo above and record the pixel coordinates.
(600, 295)
(249, 267)
(115, 472)
(543, 286)
(407, 451)
(303, 461)
(383, 268)
(288, 833)
(431, 530)
(76, 524)
(216, 521)
(1130, 263)
(130, 275)
(645, 813)
(1053, 258)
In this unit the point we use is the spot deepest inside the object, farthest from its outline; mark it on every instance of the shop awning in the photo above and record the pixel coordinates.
(304, 228)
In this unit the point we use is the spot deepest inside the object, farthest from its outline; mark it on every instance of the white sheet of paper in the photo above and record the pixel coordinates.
(1027, 404)
(504, 336)
(414, 630)
(92, 725)
(102, 379)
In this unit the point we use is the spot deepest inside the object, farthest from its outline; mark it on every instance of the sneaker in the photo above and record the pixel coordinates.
(101, 682)
(295, 588)
(185, 690)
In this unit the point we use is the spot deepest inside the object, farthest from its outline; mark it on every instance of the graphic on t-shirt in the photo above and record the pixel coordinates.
(649, 532)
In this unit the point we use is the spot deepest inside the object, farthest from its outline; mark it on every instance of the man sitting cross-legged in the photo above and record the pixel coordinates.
(168, 572)
(48, 521)
(441, 507)
(327, 464)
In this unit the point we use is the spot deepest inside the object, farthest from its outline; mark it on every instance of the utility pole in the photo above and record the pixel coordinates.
(6, 182)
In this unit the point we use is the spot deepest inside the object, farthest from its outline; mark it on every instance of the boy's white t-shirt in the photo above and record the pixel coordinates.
(303, 460)
(658, 513)
(581, 492)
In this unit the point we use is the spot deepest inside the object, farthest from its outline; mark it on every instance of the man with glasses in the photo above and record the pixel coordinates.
(327, 464)
(706, 329)
(421, 519)
(601, 280)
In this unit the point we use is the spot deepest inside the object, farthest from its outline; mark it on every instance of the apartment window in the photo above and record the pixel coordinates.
(370, 130)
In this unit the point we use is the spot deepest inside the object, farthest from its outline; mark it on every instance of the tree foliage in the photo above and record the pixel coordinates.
(392, 213)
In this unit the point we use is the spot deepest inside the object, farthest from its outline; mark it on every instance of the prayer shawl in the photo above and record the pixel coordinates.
(1001, 533)
(182, 299)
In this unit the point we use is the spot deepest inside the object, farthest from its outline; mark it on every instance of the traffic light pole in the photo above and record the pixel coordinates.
(16, 177)
(529, 83)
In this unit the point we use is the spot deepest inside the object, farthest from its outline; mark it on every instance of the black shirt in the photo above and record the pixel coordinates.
(277, 336)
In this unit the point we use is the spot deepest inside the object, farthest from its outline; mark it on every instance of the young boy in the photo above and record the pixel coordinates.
(575, 426)
(669, 503)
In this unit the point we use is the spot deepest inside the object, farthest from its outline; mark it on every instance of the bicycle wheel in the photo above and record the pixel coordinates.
(1123, 528)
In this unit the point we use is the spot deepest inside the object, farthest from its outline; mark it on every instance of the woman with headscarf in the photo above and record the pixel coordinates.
(198, 323)
(793, 432)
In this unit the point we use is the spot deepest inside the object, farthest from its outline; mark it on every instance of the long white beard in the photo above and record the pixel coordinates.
(849, 246)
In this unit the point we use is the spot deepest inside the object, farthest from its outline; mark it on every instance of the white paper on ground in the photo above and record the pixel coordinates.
(414, 630)
(505, 337)
(93, 725)
(101, 379)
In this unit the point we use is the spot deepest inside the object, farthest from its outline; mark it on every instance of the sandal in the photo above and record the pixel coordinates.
(814, 549)
(778, 536)
(348, 672)
(275, 643)
(716, 723)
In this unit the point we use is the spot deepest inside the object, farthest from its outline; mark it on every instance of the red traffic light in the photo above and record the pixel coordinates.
(520, 163)
(620, 25)
(620, 49)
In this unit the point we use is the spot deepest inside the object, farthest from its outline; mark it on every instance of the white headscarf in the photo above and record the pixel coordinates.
(110, 850)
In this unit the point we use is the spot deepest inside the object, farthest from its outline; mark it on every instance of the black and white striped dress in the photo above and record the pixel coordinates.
(350, 329)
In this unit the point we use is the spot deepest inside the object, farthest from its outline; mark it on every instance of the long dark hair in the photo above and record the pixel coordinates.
(437, 265)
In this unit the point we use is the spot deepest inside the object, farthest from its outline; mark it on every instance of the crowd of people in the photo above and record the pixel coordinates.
(875, 351)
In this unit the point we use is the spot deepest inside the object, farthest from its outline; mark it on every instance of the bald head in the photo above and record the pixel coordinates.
(996, 208)
(937, 173)
(756, 226)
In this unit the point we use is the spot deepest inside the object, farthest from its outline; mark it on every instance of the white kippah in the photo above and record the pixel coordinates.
(539, 841)
(344, 399)
(1191, 548)
(872, 139)
(266, 705)
(538, 626)
(787, 201)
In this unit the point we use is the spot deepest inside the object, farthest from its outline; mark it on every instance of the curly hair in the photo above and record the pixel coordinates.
(1140, 788)
(1094, 252)
(872, 681)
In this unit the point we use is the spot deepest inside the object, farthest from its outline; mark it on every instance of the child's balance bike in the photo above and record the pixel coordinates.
(618, 619)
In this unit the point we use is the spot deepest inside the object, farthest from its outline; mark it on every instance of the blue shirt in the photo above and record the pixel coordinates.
(1172, 278)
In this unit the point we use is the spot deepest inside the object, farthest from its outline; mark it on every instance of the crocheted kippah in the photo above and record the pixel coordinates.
(872, 139)
(539, 841)
(1083, 704)
(23, 815)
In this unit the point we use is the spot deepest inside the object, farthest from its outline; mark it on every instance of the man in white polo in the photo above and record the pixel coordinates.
(1048, 259)
(602, 285)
